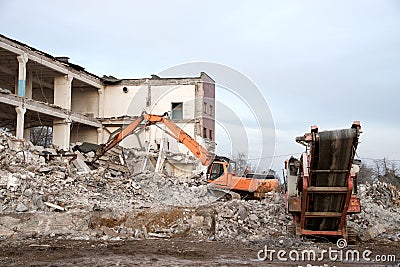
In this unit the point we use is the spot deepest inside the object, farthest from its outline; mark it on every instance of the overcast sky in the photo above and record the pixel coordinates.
(316, 62)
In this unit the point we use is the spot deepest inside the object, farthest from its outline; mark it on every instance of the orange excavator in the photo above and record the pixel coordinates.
(221, 171)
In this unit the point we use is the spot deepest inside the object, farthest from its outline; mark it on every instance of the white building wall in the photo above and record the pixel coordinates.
(118, 103)
(156, 97)
(83, 133)
(133, 103)
(85, 101)
(163, 96)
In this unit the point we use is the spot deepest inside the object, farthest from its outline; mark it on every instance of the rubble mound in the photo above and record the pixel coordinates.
(32, 181)
(380, 212)
(172, 191)
(45, 193)
(253, 219)
(33, 178)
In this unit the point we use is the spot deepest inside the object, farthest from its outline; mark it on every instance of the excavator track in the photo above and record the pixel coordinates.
(222, 194)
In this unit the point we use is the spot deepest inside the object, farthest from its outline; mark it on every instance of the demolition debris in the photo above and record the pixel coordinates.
(46, 194)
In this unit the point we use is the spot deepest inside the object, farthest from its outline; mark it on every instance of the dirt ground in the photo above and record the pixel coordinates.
(163, 252)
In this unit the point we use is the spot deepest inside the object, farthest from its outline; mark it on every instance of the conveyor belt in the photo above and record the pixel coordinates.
(334, 153)
(331, 157)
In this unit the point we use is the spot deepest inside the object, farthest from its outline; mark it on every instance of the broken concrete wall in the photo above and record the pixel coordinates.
(84, 133)
(85, 100)
(156, 97)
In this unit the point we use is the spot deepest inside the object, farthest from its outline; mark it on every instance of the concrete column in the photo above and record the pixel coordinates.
(62, 98)
(61, 133)
(100, 91)
(99, 136)
(63, 91)
(28, 94)
(19, 131)
(22, 59)
(27, 132)
(28, 86)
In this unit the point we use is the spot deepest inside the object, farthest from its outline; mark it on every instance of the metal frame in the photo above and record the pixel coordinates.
(301, 212)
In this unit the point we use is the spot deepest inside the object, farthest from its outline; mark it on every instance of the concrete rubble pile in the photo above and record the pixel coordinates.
(133, 158)
(29, 183)
(253, 219)
(62, 196)
(172, 191)
(380, 212)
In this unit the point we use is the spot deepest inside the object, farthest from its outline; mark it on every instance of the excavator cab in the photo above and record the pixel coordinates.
(219, 167)
(216, 170)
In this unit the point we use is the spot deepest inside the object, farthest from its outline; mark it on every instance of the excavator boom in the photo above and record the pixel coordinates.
(174, 131)
(128, 130)
(181, 136)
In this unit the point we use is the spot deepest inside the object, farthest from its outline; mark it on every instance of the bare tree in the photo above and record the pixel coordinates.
(389, 172)
(384, 170)
(366, 174)
(241, 161)
(42, 135)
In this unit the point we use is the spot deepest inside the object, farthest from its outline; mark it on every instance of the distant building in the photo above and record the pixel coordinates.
(42, 90)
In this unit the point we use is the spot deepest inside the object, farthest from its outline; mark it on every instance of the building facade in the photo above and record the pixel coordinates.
(40, 90)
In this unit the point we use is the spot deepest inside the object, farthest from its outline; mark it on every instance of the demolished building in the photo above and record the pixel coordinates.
(41, 91)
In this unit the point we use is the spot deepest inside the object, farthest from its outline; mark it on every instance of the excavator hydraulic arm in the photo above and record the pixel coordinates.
(174, 131)
(112, 142)
(181, 136)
